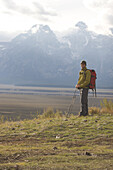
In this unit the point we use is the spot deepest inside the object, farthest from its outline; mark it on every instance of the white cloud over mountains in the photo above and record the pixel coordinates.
(60, 15)
(29, 8)
(103, 8)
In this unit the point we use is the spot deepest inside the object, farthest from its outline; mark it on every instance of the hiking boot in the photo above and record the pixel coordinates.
(86, 114)
(81, 114)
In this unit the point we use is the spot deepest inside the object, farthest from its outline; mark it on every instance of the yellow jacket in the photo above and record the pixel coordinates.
(84, 78)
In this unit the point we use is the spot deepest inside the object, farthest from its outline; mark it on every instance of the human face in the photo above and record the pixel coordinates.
(83, 66)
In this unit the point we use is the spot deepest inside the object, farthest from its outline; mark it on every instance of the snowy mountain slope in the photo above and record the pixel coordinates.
(37, 56)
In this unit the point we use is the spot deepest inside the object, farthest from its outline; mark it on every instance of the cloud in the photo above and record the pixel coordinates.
(103, 8)
(9, 4)
(43, 11)
(94, 4)
(33, 9)
(5, 36)
(109, 19)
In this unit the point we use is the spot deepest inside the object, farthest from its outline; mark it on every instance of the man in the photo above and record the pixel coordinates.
(83, 82)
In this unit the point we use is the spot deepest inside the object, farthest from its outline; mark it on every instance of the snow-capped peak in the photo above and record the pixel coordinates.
(45, 28)
(35, 29)
(39, 27)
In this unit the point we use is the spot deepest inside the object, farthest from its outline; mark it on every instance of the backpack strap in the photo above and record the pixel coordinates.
(85, 77)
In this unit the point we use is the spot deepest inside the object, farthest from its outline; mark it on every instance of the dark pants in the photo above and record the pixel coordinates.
(84, 101)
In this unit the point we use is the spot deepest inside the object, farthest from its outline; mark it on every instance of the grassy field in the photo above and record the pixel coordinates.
(57, 142)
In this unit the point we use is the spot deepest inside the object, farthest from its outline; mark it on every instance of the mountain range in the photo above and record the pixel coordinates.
(40, 57)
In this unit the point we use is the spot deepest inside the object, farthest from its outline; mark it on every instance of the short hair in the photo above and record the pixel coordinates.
(83, 62)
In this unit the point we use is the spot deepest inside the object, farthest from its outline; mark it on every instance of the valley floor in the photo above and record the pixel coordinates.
(22, 106)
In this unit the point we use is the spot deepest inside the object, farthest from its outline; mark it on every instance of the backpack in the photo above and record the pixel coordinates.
(92, 84)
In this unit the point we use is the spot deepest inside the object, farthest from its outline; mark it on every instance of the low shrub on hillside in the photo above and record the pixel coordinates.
(107, 104)
(49, 113)
(106, 107)
(94, 110)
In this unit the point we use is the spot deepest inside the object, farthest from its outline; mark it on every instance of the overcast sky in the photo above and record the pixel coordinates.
(19, 15)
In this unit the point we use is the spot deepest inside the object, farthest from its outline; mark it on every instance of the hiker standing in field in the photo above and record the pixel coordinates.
(83, 82)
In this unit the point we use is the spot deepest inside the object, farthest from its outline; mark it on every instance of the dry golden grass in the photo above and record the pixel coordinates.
(94, 110)
(106, 107)
(50, 113)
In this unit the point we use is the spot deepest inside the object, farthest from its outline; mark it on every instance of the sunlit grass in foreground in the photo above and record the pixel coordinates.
(106, 107)
(58, 141)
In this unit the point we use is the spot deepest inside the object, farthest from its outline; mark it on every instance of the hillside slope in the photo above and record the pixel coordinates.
(58, 143)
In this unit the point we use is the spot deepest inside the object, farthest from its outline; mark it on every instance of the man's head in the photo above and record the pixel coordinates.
(83, 64)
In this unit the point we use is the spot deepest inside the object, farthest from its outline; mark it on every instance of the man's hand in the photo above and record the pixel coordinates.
(77, 86)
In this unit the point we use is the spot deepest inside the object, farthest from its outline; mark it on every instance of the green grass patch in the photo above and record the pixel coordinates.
(57, 142)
